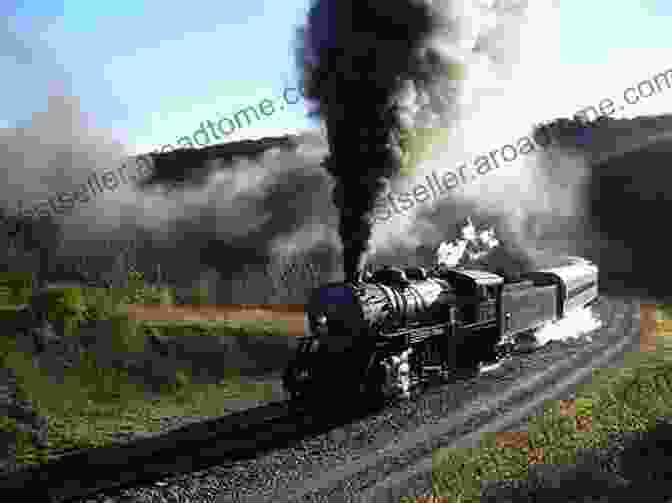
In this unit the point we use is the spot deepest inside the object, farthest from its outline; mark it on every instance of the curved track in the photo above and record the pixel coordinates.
(272, 454)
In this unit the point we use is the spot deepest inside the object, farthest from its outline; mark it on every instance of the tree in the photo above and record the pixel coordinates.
(33, 235)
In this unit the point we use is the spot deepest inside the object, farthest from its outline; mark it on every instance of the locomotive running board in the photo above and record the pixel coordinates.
(419, 334)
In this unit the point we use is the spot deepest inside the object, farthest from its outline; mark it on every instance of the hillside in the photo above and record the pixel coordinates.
(186, 166)
(287, 203)
(605, 137)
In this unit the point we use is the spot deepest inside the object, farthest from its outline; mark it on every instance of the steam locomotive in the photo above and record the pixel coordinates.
(387, 331)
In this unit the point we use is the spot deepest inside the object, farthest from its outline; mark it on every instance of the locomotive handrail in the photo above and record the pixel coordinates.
(480, 324)
(407, 331)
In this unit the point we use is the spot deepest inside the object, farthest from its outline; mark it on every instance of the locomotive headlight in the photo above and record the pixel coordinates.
(316, 325)
(320, 325)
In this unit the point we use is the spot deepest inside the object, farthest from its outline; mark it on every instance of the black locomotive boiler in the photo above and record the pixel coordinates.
(387, 332)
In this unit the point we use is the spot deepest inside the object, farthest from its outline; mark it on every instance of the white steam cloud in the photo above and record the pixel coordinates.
(510, 51)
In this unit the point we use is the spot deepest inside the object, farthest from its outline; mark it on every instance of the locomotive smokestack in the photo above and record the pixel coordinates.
(355, 265)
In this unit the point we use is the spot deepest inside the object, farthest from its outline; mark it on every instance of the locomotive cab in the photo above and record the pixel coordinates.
(477, 291)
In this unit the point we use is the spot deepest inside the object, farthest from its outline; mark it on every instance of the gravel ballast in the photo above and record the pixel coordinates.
(269, 475)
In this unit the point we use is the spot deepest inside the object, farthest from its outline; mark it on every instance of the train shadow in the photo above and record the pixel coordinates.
(222, 442)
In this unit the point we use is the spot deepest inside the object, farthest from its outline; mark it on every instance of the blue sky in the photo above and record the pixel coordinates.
(150, 72)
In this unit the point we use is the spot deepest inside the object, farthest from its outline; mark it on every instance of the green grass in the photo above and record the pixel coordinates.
(215, 328)
(622, 399)
(94, 403)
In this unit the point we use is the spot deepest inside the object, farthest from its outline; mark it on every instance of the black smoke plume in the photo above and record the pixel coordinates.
(357, 58)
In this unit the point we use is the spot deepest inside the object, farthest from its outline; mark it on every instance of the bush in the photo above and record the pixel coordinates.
(139, 292)
(63, 306)
(160, 296)
(99, 304)
(127, 334)
(60, 302)
(199, 296)
(19, 287)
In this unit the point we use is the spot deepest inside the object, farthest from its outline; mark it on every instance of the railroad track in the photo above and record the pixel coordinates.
(272, 453)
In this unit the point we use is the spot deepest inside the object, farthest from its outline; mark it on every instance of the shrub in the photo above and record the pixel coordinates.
(161, 296)
(99, 304)
(135, 286)
(199, 296)
(60, 302)
(63, 306)
(127, 334)
(139, 292)
(18, 286)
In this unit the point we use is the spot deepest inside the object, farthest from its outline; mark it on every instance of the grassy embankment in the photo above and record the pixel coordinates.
(626, 399)
(93, 404)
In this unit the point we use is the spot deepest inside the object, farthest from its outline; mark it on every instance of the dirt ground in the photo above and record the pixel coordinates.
(651, 328)
(291, 315)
